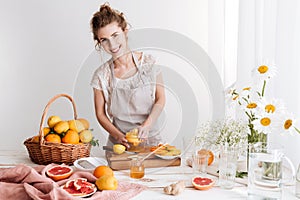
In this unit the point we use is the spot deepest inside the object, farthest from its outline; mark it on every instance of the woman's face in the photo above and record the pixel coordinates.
(113, 39)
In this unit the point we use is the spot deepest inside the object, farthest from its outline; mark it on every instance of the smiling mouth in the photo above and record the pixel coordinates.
(115, 50)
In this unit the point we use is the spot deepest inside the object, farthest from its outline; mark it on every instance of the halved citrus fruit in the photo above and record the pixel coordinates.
(59, 172)
(202, 183)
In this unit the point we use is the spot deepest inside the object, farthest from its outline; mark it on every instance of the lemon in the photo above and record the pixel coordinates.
(76, 125)
(119, 148)
(53, 120)
(107, 182)
(46, 130)
(85, 136)
(61, 127)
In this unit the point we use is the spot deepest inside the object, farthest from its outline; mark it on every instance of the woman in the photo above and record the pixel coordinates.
(128, 88)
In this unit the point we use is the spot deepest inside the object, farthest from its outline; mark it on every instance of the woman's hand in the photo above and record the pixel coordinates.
(143, 131)
(122, 140)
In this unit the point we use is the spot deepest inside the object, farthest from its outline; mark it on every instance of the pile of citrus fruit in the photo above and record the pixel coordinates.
(105, 178)
(73, 131)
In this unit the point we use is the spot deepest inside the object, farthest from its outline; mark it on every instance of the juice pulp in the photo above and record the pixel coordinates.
(137, 171)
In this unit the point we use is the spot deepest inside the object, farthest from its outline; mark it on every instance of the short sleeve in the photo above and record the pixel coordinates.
(152, 65)
(96, 82)
(101, 80)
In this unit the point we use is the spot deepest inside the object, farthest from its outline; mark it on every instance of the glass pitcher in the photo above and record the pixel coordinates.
(265, 173)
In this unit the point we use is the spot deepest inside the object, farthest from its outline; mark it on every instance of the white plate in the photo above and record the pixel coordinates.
(84, 195)
(167, 157)
(89, 163)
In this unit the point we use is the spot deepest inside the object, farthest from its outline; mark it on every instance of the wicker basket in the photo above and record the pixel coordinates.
(47, 152)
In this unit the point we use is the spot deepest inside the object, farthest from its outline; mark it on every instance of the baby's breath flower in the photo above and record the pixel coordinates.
(223, 132)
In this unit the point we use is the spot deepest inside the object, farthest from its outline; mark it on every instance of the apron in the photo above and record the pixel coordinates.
(131, 104)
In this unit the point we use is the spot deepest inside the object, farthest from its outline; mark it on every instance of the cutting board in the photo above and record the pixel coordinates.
(122, 161)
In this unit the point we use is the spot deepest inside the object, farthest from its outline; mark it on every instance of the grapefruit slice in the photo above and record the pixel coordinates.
(80, 187)
(59, 172)
(81, 182)
(202, 183)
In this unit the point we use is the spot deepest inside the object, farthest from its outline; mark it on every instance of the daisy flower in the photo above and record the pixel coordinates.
(271, 105)
(264, 71)
(286, 124)
(265, 122)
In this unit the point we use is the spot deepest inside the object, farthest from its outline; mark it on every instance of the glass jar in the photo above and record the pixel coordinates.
(137, 169)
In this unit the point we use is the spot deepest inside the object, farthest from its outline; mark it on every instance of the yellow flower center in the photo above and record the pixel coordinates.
(247, 88)
(263, 69)
(265, 121)
(251, 105)
(270, 108)
(288, 123)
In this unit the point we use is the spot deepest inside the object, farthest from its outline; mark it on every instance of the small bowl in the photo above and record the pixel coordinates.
(89, 163)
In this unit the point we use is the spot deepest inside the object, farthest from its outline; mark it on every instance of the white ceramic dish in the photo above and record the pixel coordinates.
(89, 163)
(167, 157)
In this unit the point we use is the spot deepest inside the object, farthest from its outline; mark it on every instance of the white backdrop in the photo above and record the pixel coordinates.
(47, 45)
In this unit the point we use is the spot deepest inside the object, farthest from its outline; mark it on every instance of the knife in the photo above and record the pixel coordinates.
(110, 148)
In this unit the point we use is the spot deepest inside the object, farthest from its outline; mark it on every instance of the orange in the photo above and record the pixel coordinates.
(103, 170)
(59, 172)
(53, 138)
(53, 120)
(210, 155)
(76, 125)
(85, 123)
(61, 127)
(71, 137)
(107, 182)
(35, 139)
(202, 183)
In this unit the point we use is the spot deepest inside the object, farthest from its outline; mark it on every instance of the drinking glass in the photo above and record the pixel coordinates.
(200, 162)
(227, 166)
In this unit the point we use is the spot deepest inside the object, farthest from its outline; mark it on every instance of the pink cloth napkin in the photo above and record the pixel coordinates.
(24, 182)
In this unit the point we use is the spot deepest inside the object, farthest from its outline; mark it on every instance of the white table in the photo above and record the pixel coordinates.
(159, 177)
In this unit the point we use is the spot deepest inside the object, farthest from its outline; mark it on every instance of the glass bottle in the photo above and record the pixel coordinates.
(298, 182)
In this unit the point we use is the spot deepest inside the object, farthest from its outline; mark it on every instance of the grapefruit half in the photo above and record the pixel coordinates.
(202, 183)
(59, 172)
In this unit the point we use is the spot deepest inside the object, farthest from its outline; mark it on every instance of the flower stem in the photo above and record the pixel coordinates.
(263, 88)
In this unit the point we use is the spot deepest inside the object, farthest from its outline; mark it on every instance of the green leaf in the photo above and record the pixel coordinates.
(94, 142)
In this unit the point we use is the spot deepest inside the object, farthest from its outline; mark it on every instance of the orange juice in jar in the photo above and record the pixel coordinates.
(137, 169)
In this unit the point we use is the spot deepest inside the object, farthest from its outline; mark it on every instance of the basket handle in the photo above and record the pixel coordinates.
(41, 132)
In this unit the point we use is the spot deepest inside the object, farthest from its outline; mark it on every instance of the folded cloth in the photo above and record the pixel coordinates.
(24, 182)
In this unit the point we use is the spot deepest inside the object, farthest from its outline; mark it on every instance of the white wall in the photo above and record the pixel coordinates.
(45, 44)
